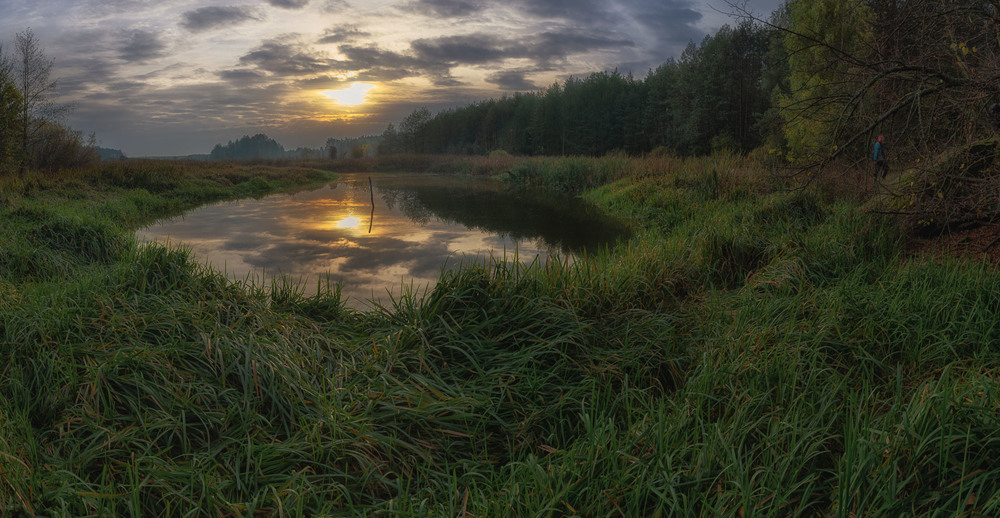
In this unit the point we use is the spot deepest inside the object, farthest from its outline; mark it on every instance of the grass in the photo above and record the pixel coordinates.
(751, 350)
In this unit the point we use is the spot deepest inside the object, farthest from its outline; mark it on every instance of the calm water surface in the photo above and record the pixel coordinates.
(420, 225)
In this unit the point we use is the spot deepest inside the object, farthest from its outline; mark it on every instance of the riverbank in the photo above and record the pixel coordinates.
(752, 349)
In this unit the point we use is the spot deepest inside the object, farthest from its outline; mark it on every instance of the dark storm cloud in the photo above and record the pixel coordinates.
(139, 46)
(342, 34)
(511, 80)
(445, 8)
(206, 18)
(289, 4)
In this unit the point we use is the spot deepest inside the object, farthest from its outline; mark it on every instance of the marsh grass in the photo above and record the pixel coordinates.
(750, 351)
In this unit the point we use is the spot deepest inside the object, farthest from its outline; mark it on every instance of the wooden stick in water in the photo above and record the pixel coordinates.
(371, 219)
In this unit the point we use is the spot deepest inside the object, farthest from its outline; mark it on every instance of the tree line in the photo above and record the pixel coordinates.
(262, 146)
(257, 146)
(31, 136)
(716, 95)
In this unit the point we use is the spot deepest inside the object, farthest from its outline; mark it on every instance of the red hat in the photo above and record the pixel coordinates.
(880, 138)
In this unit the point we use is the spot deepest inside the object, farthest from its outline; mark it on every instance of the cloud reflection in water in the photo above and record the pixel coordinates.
(421, 224)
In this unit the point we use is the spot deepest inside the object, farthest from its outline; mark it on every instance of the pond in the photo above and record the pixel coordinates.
(419, 225)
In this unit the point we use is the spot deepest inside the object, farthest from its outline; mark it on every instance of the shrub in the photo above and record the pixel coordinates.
(58, 147)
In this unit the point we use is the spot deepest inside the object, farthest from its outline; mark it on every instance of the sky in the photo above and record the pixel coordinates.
(176, 77)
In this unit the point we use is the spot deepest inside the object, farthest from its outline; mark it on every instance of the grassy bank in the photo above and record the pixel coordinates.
(752, 350)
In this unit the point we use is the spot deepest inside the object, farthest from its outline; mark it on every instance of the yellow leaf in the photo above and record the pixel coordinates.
(940, 195)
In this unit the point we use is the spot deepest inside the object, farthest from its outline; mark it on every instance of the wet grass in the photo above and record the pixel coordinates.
(752, 350)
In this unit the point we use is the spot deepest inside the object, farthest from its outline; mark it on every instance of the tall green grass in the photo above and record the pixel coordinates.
(752, 350)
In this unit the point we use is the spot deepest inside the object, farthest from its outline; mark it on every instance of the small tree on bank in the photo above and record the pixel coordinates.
(10, 114)
(32, 76)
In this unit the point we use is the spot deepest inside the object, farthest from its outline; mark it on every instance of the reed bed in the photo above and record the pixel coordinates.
(750, 351)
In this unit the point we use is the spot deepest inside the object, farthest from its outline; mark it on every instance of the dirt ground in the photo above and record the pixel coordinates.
(982, 242)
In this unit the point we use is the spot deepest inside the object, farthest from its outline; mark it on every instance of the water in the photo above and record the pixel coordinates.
(420, 224)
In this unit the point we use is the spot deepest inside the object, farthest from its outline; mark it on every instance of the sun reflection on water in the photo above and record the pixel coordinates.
(349, 222)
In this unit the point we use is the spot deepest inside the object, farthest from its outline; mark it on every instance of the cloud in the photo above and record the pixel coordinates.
(661, 28)
(445, 8)
(481, 49)
(336, 6)
(468, 49)
(558, 45)
(289, 4)
(288, 58)
(433, 58)
(241, 75)
(673, 21)
(511, 80)
(86, 73)
(590, 11)
(140, 45)
(206, 18)
(325, 82)
(342, 34)
(121, 86)
(384, 65)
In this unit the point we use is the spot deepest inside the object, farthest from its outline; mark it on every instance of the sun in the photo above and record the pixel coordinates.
(354, 95)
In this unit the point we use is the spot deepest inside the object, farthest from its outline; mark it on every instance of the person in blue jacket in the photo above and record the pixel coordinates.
(879, 158)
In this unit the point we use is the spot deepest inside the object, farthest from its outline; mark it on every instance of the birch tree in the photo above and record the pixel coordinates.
(32, 77)
(10, 112)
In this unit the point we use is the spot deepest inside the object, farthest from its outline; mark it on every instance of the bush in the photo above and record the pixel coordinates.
(59, 147)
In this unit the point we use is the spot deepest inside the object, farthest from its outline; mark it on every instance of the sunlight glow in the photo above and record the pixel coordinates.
(350, 222)
(354, 95)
